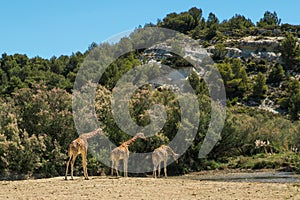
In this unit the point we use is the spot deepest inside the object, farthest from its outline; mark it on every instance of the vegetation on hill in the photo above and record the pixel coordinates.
(36, 121)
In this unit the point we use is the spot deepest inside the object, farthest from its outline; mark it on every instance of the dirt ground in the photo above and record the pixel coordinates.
(103, 187)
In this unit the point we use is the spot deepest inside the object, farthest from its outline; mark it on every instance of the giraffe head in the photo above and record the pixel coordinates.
(99, 130)
(141, 135)
(176, 157)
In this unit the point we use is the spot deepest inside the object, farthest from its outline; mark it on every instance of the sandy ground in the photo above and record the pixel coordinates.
(144, 188)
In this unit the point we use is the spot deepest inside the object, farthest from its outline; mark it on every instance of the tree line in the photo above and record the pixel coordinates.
(36, 121)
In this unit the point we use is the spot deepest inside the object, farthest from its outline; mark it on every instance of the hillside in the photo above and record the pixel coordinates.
(259, 64)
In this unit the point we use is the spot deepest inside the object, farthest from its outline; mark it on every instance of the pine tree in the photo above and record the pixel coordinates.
(260, 86)
(290, 51)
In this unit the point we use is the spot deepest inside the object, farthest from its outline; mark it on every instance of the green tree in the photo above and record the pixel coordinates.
(197, 83)
(235, 78)
(276, 75)
(196, 14)
(290, 51)
(238, 22)
(183, 22)
(260, 87)
(20, 153)
(269, 19)
(291, 100)
(219, 52)
(212, 20)
(294, 108)
(211, 32)
(45, 111)
(3, 82)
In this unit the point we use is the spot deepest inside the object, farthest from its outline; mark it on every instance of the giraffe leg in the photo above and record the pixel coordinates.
(153, 175)
(154, 170)
(67, 167)
(265, 149)
(125, 167)
(165, 168)
(72, 166)
(117, 167)
(112, 167)
(84, 166)
(158, 169)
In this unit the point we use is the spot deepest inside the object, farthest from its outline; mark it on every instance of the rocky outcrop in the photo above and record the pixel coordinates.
(254, 43)
(253, 47)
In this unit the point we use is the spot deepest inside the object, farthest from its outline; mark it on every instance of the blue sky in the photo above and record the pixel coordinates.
(60, 27)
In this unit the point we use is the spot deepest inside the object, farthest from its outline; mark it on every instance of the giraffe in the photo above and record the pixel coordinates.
(159, 155)
(80, 146)
(264, 144)
(122, 153)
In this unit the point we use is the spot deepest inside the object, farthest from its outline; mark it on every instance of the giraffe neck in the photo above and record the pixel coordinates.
(90, 134)
(129, 142)
(171, 151)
